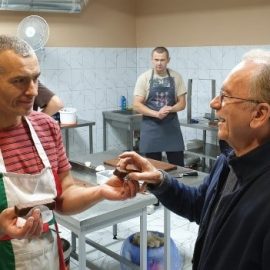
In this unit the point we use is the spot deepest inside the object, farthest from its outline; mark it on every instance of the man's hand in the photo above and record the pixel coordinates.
(148, 173)
(163, 112)
(31, 228)
(119, 189)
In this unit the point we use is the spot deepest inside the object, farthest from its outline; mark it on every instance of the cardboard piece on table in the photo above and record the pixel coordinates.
(158, 164)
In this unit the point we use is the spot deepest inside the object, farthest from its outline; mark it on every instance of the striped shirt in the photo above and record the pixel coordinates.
(18, 149)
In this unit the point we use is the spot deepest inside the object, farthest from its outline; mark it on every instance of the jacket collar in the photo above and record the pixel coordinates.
(249, 166)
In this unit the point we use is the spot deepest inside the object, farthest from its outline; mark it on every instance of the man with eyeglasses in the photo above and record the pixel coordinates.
(232, 205)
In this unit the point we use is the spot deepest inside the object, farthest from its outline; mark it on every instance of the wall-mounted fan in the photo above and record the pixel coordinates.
(34, 30)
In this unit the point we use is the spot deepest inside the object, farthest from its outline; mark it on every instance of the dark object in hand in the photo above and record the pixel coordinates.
(123, 173)
(120, 173)
(22, 209)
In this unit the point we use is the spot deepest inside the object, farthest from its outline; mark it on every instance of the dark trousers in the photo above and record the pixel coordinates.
(176, 158)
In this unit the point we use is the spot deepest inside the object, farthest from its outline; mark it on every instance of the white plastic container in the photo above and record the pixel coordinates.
(68, 116)
(103, 176)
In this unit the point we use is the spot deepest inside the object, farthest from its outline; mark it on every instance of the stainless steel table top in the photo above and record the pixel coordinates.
(102, 212)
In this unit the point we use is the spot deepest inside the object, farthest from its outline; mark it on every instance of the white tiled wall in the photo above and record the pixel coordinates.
(93, 79)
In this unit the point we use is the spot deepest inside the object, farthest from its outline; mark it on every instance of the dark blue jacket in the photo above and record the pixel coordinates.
(240, 233)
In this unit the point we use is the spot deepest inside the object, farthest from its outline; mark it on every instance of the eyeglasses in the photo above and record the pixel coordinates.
(222, 96)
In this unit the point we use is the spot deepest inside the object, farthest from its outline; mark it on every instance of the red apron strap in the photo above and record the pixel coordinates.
(57, 183)
(60, 250)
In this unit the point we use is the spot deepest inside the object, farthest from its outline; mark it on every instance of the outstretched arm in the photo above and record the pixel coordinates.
(75, 198)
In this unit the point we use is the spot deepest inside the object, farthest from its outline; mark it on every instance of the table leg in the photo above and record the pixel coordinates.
(130, 136)
(73, 241)
(104, 135)
(82, 252)
(90, 140)
(167, 239)
(143, 240)
(114, 231)
(204, 150)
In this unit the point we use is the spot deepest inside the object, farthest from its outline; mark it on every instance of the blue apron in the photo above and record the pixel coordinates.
(161, 135)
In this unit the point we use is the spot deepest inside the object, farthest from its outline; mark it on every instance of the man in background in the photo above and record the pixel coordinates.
(159, 94)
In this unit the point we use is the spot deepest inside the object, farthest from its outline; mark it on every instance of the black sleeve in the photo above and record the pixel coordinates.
(43, 97)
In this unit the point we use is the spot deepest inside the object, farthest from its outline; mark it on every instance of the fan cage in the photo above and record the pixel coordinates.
(34, 30)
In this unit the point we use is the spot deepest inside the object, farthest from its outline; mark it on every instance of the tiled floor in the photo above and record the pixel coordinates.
(183, 233)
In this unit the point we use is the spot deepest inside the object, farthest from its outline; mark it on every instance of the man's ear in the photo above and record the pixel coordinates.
(260, 115)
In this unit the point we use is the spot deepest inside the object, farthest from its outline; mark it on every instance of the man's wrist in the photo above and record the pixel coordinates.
(156, 114)
(162, 176)
(161, 179)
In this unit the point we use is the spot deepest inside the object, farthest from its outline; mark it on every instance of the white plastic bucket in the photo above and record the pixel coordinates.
(68, 116)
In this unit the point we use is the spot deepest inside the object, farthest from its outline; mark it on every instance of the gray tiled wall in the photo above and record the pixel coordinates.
(93, 79)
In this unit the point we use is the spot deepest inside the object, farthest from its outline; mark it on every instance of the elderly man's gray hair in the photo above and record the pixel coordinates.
(260, 82)
(257, 55)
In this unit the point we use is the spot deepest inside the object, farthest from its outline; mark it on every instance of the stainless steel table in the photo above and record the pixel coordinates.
(107, 213)
(80, 123)
(103, 215)
(128, 120)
